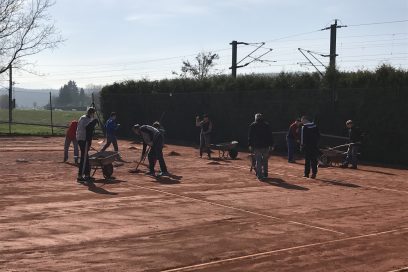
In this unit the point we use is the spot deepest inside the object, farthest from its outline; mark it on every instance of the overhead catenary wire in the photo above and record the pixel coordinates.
(132, 72)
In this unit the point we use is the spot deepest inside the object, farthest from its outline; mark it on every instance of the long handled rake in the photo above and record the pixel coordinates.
(141, 161)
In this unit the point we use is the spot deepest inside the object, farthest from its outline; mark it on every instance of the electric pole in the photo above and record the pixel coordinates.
(333, 54)
(234, 64)
(234, 59)
(10, 98)
(333, 34)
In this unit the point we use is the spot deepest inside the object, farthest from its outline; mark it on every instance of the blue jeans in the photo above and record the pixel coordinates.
(291, 149)
(261, 162)
(66, 148)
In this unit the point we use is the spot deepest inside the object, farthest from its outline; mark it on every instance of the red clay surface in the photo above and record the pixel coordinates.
(209, 216)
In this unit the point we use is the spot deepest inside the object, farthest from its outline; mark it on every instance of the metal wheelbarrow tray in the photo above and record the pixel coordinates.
(103, 160)
(225, 149)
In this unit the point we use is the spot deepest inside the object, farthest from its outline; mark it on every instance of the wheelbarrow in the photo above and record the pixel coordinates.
(226, 149)
(103, 160)
(332, 156)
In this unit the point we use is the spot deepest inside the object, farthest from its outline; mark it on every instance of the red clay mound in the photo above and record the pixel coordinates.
(174, 153)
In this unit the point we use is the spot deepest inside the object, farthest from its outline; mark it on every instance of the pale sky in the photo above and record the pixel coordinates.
(116, 40)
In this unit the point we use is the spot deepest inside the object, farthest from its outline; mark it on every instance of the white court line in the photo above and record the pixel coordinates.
(361, 186)
(266, 253)
(239, 209)
(400, 269)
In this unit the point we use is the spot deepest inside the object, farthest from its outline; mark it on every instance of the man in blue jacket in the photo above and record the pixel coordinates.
(111, 128)
(309, 140)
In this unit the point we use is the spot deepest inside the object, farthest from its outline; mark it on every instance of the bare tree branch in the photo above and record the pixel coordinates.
(205, 62)
(25, 29)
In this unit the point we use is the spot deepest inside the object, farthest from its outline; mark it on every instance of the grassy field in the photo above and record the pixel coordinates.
(60, 118)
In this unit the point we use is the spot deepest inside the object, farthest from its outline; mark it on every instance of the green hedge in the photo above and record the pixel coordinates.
(377, 101)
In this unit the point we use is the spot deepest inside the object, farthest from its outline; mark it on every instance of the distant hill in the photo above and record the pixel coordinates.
(27, 98)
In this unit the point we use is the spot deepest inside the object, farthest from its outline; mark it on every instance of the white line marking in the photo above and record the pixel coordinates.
(239, 209)
(400, 269)
(266, 253)
(361, 186)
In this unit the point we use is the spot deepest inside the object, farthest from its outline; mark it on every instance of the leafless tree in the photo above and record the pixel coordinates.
(26, 28)
(202, 69)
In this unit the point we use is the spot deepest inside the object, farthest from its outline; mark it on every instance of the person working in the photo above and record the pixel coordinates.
(152, 137)
(260, 141)
(354, 135)
(309, 141)
(84, 134)
(70, 137)
(205, 134)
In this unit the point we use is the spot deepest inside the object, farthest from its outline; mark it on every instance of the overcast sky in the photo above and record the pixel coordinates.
(116, 40)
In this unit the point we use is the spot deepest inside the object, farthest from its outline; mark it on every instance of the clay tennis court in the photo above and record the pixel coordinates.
(209, 216)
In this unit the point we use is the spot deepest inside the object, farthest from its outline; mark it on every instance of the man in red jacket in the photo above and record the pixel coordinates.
(70, 136)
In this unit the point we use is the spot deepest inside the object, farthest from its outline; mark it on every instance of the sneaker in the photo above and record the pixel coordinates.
(80, 180)
(306, 176)
(150, 174)
(88, 183)
(90, 179)
(354, 167)
(313, 176)
(344, 166)
(163, 174)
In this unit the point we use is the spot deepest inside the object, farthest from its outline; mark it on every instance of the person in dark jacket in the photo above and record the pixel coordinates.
(260, 141)
(152, 137)
(309, 140)
(354, 135)
(291, 138)
(84, 134)
(205, 134)
(111, 127)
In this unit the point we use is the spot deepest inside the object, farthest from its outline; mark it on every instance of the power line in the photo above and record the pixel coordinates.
(380, 23)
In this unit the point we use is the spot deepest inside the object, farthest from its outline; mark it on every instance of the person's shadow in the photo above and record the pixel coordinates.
(283, 184)
(99, 190)
(168, 180)
(339, 183)
(109, 181)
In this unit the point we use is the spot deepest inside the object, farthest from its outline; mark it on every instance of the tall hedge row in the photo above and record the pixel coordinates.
(377, 101)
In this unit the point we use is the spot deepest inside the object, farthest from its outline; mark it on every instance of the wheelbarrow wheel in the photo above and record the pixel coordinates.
(107, 171)
(233, 153)
(324, 161)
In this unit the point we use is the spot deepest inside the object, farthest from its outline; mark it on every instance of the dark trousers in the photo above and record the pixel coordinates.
(156, 154)
(352, 153)
(291, 149)
(84, 167)
(205, 144)
(109, 141)
(311, 160)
